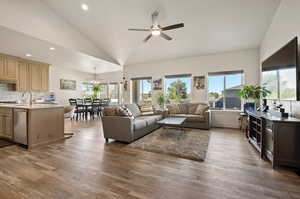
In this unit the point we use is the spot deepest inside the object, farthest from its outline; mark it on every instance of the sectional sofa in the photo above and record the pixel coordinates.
(128, 127)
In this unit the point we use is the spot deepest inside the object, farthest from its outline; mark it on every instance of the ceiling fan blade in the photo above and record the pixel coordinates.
(154, 17)
(180, 25)
(165, 36)
(138, 29)
(147, 38)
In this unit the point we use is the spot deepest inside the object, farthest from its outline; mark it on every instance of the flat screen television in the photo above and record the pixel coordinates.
(281, 73)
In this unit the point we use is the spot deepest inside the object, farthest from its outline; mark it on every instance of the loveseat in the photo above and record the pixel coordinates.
(127, 123)
(197, 114)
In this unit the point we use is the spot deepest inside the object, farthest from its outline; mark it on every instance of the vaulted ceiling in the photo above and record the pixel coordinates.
(211, 26)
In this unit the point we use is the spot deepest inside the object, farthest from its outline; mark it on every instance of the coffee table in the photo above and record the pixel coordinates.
(172, 122)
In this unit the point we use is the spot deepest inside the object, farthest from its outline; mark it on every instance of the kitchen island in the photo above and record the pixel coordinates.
(32, 125)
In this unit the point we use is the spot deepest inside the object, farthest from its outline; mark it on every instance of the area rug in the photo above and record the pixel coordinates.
(4, 143)
(189, 144)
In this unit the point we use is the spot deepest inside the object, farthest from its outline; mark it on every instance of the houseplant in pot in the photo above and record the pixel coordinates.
(252, 94)
(161, 100)
(96, 89)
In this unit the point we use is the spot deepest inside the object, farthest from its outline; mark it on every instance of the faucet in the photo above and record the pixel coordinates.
(30, 96)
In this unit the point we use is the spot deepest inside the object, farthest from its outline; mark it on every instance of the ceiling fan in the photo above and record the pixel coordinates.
(156, 29)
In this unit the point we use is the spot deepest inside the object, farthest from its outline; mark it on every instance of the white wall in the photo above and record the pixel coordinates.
(246, 60)
(34, 18)
(110, 77)
(57, 73)
(285, 27)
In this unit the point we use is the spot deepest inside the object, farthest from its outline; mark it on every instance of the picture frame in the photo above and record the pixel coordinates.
(157, 84)
(199, 82)
(66, 84)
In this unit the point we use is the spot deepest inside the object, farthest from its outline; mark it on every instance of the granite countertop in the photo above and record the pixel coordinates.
(30, 107)
(274, 118)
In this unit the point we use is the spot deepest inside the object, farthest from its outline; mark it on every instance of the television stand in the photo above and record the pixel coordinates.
(276, 139)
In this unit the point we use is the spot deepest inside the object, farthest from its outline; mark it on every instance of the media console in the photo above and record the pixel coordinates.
(276, 139)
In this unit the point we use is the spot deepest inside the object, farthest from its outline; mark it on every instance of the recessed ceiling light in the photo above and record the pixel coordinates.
(52, 48)
(84, 7)
(28, 55)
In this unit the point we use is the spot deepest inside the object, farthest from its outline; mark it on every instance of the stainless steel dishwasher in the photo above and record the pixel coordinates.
(20, 126)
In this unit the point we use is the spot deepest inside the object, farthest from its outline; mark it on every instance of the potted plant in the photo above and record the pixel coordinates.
(96, 89)
(252, 94)
(161, 100)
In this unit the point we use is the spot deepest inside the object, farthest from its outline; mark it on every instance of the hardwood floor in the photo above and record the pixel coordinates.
(84, 166)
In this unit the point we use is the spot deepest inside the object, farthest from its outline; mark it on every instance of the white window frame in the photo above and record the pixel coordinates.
(118, 89)
(179, 76)
(224, 73)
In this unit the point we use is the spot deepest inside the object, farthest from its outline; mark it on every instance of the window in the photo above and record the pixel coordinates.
(281, 83)
(178, 89)
(87, 89)
(103, 91)
(223, 89)
(114, 93)
(142, 90)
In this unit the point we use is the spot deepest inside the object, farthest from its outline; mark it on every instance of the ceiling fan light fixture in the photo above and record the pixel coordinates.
(155, 32)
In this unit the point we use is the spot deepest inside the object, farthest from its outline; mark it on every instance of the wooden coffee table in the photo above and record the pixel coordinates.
(172, 122)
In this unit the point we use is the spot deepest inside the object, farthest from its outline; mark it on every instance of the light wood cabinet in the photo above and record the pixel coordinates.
(11, 65)
(45, 77)
(8, 68)
(28, 75)
(35, 77)
(2, 73)
(6, 123)
(23, 77)
(39, 77)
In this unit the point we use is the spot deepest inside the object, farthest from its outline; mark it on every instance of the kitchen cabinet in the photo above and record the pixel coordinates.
(8, 68)
(45, 77)
(39, 77)
(6, 123)
(23, 77)
(33, 76)
(28, 75)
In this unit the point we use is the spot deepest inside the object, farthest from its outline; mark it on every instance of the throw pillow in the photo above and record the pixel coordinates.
(192, 107)
(146, 108)
(124, 111)
(182, 108)
(110, 111)
(201, 109)
(173, 109)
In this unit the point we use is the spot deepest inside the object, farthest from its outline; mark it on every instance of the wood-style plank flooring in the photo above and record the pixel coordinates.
(84, 166)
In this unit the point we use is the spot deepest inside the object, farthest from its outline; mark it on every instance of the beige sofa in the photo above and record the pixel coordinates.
(197, 114)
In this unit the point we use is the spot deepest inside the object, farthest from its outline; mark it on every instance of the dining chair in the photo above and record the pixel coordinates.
(88, 107)
(87, 100)
(97, 108)
(79, 101)
(79, 111)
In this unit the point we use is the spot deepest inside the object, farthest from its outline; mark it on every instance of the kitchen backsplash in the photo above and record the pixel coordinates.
(7, 93)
